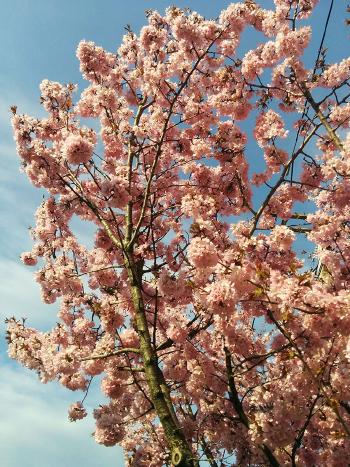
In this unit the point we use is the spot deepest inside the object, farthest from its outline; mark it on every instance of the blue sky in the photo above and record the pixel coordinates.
(38, 40)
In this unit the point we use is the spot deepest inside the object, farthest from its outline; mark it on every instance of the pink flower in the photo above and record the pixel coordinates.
(269, 125)
(106, 437)
(112, 387)
(76, 412)
(94, 60)
(202, 253)
(171, 269)
(293, 42)
(177, 333)
(28, 258)
(56, 96)
(77, 150)
(336, 74)
(281, 237)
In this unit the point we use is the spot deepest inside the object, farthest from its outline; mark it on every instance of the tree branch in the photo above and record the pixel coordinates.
(111, 354)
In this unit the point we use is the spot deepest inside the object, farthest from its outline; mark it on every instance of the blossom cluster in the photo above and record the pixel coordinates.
(193, 298)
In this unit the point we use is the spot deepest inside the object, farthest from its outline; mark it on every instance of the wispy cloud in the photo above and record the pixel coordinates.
(35, 431)
(20, 296)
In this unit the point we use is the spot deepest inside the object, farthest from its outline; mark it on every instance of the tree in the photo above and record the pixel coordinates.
(215, 339)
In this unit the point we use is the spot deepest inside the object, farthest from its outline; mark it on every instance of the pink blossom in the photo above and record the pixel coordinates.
(76, 412)
(202, 253)
(269, 125)
(335, 74)
(56, 96)
(293, 42)
(282, 237)
(94, 60)
(77, 150)
(215, 311)
(28, 258)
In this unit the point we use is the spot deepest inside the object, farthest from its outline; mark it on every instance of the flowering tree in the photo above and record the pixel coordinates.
(215, 341)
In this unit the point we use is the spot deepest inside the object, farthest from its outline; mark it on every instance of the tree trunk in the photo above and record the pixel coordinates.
(181, 454)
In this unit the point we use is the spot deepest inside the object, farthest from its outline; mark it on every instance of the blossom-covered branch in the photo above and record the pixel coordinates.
(213, 298)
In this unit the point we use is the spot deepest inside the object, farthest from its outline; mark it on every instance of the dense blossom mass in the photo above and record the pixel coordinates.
(215, 338)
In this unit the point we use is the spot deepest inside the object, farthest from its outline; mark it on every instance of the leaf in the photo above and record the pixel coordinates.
(258, 292)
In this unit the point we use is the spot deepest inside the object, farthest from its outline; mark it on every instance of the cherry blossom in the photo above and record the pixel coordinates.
(76, 412)
(211, 303)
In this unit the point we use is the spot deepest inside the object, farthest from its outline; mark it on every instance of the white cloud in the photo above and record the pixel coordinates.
(20, 296)
(35, 431)
(34, 428)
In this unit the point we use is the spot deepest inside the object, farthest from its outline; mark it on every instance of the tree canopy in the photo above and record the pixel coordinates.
(202, 171)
